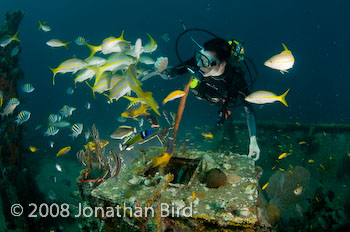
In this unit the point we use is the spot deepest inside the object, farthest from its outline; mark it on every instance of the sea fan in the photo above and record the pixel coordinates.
(286, 189)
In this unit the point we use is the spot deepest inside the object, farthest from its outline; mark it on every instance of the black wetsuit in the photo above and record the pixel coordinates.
(226, 90)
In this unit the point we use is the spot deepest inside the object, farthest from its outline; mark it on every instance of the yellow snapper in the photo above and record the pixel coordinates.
(173, 95)
(56, 43)
(120, 89)
(110, 42)
(92, 145)
(113, 64)
(10, 107)
(263, 97)
(43, 26)
(146, 60)
(135, 86)
(71, 65)
(93, 49)
(136, 50)
(7, 39)
(134, 100)
(282, 61)
(63, 151)
(83, 75)
(95, 61)
(151, 46)
(32, 149)
(136, 111)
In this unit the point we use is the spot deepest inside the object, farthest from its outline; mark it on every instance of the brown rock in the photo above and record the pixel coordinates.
(215, 178)
(273, 213)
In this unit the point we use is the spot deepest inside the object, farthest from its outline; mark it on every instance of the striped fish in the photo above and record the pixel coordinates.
(27, 88)
(51, 131)
(83, 75)
(80, 41)
(67, 111)
(22, 117)
(54, 118)
(77, 128)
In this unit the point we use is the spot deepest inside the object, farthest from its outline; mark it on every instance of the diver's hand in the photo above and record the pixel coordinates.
(161, 64)
(254, 150)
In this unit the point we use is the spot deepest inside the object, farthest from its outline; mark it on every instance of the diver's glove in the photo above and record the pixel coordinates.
(161, 64)
(254, 150)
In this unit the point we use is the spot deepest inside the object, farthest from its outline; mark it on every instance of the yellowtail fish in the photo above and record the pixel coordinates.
(51, 131)
(84, 75)
(120, 89)
(281, 169)
(136, 50)
(56, 43)
(265, 186)
(146, 60)
(283, 155)
(283, 61)
(110, 42)
(93, 49)
(134, 100)
(193, 196)
(77, 129)
(324, 133)
(173, 95)
(323, 167)
(10, 107)
(298, 123)
(135, 86)
(27, 88)
(262, 97)
(71, 65)
(33, 149)
(7, 39)
(298, 190)
(302, 142)
(63, 151)
(136, 111)
(208, 135)
(22, 117)
(43, 26)
(161, 161)
(311, 161)
(95, 61)
(151, 46)
(92, 145)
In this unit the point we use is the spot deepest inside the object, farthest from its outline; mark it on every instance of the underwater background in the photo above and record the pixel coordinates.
(317, 32)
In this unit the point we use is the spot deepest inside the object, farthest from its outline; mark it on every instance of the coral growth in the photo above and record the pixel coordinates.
(273, 213)
(286, 189)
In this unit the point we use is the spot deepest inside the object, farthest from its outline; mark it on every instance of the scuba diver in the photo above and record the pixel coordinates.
(220, 80)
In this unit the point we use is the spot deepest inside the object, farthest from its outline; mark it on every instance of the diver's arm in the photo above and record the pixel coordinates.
(250, 117)
(181, 68)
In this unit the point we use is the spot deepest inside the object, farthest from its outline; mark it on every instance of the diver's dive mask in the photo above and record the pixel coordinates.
(204, 59)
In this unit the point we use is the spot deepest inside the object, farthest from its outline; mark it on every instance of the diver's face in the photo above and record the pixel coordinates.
(212, 66)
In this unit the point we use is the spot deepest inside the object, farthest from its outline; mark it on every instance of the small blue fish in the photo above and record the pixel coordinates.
(51, 131)
(22, 117)
(27, 88)
(80, 41)
(77, 128)
(67, 111)
(70, 91)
